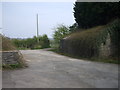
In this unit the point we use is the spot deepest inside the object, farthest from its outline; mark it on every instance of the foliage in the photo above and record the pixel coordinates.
(7, 44)
(44, 41)
(60, 32)
(90, 14)
(73, 28)
(87, 43)
(114, 30)
(32, 43)
(53, 44)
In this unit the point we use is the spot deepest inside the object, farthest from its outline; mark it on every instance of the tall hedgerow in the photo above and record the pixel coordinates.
(87, 42)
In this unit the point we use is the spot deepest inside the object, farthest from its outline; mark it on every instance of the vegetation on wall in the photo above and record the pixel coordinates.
(87, 43)
(114, 30)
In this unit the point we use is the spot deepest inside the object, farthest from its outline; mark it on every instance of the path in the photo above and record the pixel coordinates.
(50, 70)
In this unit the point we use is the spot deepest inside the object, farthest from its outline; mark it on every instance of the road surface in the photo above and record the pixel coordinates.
(47, 69)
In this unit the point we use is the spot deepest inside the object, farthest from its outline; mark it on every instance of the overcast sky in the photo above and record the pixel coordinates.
(0, 16)
(19, 18)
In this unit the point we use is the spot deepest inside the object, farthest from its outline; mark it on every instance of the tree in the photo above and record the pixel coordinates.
(73, 27)
(89, 14)
(44, 41)
(60, 32)
(32, 43)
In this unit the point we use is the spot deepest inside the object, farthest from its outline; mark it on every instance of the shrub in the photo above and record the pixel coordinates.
(60, 32)
(32, 43)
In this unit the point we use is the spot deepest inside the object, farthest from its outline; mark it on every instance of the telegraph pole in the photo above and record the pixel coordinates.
(37, 29)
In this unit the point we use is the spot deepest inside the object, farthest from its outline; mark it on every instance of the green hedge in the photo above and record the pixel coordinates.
(32, 43)
(87, 42)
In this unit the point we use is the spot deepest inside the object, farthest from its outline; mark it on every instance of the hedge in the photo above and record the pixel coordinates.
(86, 43)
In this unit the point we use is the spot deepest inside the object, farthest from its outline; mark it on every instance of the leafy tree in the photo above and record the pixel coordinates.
(73, 28)
(45, 43)
(60, 32)
(89, 14)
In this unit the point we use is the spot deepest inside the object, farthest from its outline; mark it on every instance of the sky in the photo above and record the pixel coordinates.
(0, 16)
(19, 18)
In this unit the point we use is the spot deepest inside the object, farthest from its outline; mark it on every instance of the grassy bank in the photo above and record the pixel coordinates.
(7, 45)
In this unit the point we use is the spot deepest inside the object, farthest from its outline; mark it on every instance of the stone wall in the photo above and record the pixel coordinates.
(11, 57)
(65, 46)
(105, 48)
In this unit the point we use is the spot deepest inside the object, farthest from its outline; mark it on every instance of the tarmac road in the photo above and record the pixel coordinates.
(47, 69)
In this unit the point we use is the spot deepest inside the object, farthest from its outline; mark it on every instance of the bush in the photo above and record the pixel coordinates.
(60, 32)
(32, 43)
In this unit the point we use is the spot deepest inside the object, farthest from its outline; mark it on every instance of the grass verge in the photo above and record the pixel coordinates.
(104, 60)
(13, 66)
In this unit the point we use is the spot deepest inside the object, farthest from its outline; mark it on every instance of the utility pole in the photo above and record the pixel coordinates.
(37, 30)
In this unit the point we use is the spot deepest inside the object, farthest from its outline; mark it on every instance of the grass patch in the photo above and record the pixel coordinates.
(12, 66)
(19, 65)
(104, 60)
(54, 50)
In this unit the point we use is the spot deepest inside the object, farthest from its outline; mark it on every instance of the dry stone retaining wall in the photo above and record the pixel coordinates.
(11, 57)
(105, 48)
